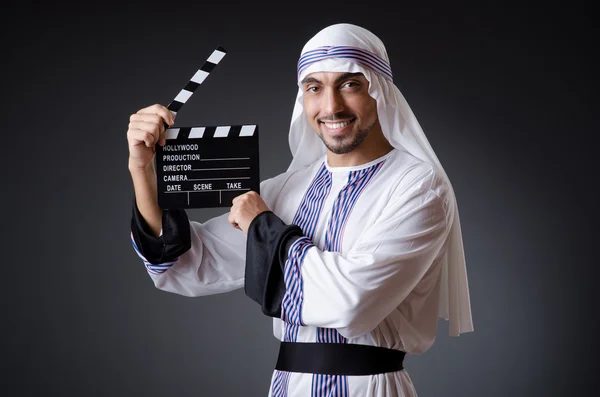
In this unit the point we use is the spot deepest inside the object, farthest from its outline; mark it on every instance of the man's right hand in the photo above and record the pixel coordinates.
(146, 129)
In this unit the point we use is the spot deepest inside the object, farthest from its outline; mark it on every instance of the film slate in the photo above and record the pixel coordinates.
(203, 167)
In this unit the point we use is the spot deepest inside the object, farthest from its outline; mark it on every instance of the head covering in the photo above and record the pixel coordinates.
(349, 48)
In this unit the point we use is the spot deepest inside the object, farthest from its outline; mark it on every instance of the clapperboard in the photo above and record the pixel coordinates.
(206, 166)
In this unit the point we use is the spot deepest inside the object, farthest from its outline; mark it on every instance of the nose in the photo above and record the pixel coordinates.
(333, 103)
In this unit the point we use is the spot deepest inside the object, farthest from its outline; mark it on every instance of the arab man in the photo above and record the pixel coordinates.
(355, 251)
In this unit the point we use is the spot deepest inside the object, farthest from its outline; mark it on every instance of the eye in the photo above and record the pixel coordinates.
(351, 84)
(312, 89)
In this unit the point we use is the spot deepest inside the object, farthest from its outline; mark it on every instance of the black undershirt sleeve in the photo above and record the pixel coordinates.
(174, 241)
(268, 242)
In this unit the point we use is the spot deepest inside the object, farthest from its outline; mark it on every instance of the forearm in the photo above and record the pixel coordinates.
(144, 184)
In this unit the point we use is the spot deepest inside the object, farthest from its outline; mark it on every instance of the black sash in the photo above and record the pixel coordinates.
(338, 359)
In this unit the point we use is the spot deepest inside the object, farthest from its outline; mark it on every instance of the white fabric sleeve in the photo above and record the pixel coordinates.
(214, 263)
(353, 293)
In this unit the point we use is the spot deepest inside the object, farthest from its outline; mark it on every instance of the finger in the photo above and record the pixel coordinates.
(232, 221)
(237, 199)
(138, 136)
(162, 111)
(146, 126)
(166, 116)
(152, 129)
(147, 117)
(138, 120)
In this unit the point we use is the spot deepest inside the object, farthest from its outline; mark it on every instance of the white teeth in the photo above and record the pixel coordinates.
(337, 125)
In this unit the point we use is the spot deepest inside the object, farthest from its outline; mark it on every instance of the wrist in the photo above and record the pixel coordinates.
(135, 168)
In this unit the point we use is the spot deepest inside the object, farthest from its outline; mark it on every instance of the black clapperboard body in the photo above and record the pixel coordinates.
(207, 166)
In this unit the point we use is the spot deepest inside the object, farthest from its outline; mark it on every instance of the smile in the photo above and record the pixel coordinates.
(337, 126)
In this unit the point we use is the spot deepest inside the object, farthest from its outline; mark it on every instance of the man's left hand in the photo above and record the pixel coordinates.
(245, 208)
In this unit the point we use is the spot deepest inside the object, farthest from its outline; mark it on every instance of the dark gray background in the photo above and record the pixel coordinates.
(505, 95)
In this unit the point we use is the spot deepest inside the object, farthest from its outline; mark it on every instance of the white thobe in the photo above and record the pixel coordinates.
(366, 272)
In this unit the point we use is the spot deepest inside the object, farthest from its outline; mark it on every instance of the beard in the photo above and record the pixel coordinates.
(345, 144)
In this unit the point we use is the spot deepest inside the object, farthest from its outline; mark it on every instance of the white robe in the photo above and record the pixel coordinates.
(372, 279)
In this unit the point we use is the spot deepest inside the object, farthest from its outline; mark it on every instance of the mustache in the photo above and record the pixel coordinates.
(336, 117)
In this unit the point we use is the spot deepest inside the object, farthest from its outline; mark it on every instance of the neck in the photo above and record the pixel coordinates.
(374, 146)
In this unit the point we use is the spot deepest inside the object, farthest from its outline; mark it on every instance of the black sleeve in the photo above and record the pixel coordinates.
(269, 240)
(174, 241)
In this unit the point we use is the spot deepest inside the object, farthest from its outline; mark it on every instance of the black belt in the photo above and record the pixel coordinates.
(338, 358)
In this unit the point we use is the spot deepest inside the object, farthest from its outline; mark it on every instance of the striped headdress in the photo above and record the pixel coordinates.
(354, 54)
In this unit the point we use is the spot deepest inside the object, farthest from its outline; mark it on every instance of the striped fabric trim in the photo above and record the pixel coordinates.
(291, 307)
(329, 335)
(309, 210)
(307, 218)
(334, 385)
(151, 268)
(281, 383)
(358, 55)
(344, 204)
(329, 386)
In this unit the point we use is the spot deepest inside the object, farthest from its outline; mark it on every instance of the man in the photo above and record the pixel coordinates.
(355, 250)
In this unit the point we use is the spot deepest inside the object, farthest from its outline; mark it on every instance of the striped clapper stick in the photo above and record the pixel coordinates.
(204, 167)
(197, 79)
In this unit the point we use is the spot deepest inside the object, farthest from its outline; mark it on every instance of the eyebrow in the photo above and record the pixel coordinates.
(338, 80)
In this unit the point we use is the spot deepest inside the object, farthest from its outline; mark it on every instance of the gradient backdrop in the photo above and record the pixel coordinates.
(504, 94)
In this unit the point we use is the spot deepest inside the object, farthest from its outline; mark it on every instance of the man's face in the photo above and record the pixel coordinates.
(339, 108)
